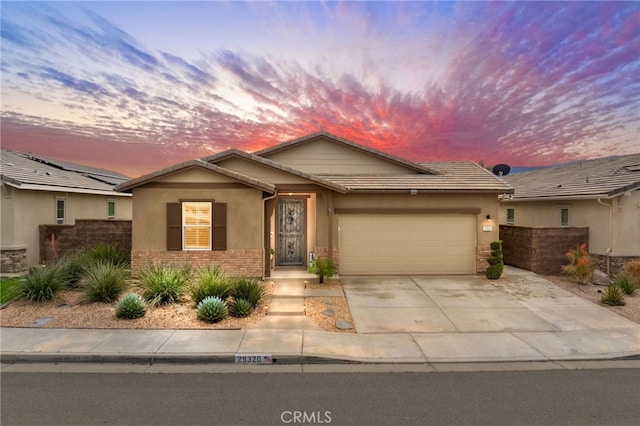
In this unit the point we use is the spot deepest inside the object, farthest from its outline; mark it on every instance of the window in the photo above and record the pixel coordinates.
(111, 209)
(60, 211)
(564, 216)
(511, 216)
(196, 226)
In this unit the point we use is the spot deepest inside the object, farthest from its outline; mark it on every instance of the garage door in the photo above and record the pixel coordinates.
(407, 244)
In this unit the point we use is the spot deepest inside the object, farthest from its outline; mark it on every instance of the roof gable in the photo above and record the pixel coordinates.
(602, 177)
(324, 153)
(191, 169)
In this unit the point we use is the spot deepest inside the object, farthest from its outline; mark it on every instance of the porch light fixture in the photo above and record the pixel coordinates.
(489, 217)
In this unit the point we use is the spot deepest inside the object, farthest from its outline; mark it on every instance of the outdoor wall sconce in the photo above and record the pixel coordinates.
(487, 225)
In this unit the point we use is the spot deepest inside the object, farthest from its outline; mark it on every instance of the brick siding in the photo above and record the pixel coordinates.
(482, 253)
(324, 252)
(540, 249)
(234, 262)
(56, 240)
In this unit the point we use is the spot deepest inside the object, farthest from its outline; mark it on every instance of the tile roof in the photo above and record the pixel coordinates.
(602, 177)
(411, 165)
(28, 172)
(216, 158)
(452, 176)
(103, 175)
(248, 180)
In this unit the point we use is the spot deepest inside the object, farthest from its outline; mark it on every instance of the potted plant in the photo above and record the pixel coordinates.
(322, 267)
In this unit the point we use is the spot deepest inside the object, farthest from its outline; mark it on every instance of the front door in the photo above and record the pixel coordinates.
(291, 232)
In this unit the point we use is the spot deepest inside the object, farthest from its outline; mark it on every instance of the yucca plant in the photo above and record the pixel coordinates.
(627, 283)
(73, 264)
(248, 288)
(163, 284)
(210, 282)
(131, 306)
(241, 308)
(613, 296)
(42, 283)
(109, 253)
(212, 309)
(103, 281)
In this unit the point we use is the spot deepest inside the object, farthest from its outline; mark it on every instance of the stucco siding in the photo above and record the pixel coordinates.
(195, 174)
(326, 157)
(24, 210)
(244, 215)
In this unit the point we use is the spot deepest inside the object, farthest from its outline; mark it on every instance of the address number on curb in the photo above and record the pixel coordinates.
(254, 359)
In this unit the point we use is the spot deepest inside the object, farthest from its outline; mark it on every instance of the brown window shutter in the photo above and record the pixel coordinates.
(174, 226)
(219, 226)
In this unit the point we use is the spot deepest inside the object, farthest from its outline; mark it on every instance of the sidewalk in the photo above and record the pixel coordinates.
(572, 331)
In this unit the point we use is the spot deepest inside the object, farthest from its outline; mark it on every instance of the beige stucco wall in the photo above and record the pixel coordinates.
(326, 157)
(623, 237)
(244, 215)
(23, 210)
(195, 174)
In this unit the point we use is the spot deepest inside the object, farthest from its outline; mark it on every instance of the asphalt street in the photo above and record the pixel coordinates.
(547, 397)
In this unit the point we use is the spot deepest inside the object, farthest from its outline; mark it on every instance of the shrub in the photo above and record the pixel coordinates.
(212, 309)
(580, 265)
(42, 283)
(633, 268)
(496, 264)
(627, 283)
(9, 289)
(322, 267)
(250, 289)
(163, 284)
(73, 265)
(104, 281)
(111, 254)
(131, 306)
(210, 282)
(241, 308)
(613, 295)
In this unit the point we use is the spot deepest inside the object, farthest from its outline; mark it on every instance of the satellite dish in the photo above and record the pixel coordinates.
(501, 169)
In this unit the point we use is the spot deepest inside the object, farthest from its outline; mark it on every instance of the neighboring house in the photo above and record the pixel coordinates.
(602, 194)
(319, 195)
(38, 191)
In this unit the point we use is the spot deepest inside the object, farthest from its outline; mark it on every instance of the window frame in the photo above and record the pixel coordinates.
(562, 218)
(111, 203)
(208, 226)
(512, 220)
(61, 220)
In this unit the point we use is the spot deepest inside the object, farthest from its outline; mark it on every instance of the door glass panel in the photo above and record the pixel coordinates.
(291, 228)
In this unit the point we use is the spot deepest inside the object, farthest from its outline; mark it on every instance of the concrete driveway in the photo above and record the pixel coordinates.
(519, 302)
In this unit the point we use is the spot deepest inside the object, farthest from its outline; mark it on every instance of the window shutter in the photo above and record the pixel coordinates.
(219, 226)
(174, 226)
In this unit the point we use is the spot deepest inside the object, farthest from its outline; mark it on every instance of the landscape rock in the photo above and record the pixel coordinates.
(344, 325)
(329, 312)
(600, 278)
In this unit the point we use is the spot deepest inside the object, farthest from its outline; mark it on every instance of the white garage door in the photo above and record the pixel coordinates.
(400, 244)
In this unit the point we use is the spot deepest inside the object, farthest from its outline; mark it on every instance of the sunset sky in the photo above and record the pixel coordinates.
(137, 86)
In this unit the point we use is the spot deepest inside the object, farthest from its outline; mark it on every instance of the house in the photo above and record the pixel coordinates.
(601, 194)
(38, 190)
(320, 195)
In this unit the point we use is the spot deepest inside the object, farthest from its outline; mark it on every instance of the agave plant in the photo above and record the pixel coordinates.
(131, 306)
(241, 308)
(613, 296)
(212, 309)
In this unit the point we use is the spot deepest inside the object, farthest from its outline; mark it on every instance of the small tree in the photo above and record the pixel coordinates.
(496, 264)
(322, 268)
(580, 265)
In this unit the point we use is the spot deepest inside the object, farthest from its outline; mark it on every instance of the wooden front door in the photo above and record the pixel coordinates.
(292, 222)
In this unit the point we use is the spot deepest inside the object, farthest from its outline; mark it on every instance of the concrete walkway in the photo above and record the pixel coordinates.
(399, 320)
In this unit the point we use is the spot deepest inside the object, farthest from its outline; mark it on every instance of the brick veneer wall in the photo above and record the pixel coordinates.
(482, 253)
(540, 249)
(84, 234)
(324, 252)
(13, 260)
(234, 262)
